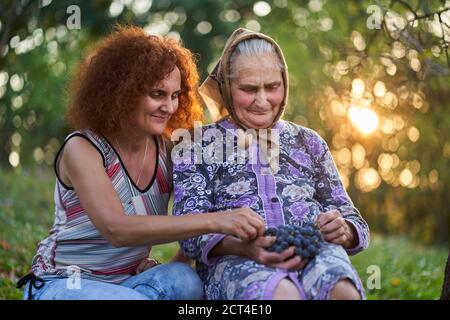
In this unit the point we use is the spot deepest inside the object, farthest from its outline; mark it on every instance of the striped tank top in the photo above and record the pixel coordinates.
(75, 245)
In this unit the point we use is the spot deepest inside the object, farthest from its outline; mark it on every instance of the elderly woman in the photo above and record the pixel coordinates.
(298, 184)
(114, 179)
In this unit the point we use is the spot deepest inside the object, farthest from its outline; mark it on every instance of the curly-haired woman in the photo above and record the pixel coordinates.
(114, 178)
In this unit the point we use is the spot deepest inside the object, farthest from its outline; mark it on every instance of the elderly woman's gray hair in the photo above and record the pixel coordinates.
(252, 48)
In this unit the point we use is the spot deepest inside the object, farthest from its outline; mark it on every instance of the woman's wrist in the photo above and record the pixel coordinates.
(351, 236)
(212, 226)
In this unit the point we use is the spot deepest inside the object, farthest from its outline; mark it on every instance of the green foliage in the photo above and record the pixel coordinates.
(26, 217)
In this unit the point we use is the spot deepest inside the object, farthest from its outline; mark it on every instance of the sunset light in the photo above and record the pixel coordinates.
(364, 119)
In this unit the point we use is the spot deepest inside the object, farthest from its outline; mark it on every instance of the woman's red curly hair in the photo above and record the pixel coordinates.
(123, 68)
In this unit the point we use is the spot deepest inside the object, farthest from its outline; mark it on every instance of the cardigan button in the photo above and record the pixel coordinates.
(274, 199)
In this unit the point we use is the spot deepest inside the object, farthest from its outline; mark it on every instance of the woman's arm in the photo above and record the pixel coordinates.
(82, 165)
(341, 222)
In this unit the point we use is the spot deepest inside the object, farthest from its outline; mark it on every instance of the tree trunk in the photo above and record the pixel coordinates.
(446, 286)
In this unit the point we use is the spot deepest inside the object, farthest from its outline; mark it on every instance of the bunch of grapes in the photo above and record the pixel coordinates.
(307, 239)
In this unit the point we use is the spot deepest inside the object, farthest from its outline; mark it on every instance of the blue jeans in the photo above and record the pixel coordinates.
(171, 281)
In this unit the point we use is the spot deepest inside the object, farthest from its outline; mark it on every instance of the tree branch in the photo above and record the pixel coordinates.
(9, 20)
(445, 43)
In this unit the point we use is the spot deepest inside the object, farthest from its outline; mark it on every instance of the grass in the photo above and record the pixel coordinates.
(406, 270)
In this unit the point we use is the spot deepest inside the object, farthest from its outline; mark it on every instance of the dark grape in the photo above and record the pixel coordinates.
(271, 232)
(278, 249)
(284, 245)
(306, 239)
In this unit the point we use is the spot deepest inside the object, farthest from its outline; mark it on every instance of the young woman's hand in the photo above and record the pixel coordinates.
(243, 223)
(147, 264)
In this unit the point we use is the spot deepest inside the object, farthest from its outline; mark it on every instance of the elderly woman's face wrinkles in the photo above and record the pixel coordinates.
(257, 90)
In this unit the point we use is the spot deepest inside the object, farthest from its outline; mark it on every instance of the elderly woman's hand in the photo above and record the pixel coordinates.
(257, 251)
(336, 229)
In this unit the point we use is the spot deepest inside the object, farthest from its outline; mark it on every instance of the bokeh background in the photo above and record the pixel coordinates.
(372, 77)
